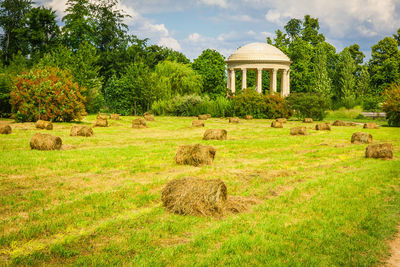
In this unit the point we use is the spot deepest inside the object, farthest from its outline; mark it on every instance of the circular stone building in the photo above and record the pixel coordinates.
(259, 57)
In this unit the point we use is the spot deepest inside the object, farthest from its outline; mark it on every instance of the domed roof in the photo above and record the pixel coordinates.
(258, 52)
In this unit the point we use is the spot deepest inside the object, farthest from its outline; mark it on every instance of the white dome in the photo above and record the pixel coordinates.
(258, 52)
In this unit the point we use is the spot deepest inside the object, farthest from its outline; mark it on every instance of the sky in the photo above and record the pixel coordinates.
(191, 26)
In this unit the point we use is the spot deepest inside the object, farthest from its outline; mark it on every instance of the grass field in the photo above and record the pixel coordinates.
(322, 203)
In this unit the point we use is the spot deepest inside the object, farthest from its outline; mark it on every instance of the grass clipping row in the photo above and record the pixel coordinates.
(201, 197)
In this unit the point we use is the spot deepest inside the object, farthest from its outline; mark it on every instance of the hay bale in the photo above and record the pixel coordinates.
(203, 117)
(350, 124)
(198, 123)
(208, 116)
(322, 127)
(149, 117)
(40, 124)
(361, 138)
(276, 124)
(139, 123)
(371, 125)
(114, 117)
(248, 117)
(234, 120)
(147, 113)
(338, 123)
(101, 117)
(194, 196)
(101, 123)
(215, 134)
(45, 142)
(384, 151)
(308, 120)
(195, 155)
(5, 129)
(281, 120)
(77, 130)
(298, 131)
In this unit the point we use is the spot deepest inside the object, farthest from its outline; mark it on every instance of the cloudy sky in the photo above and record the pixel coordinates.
(191, 26)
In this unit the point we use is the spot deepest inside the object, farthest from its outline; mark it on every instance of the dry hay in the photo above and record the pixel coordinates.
(276, 124)
(101, 117)
(5, 129)
(361, 138)
(77, 130)
(384, 151)
(114, 117)
(101, 123)
(298, 131)
(44, 125)
(338, 123)
(248, 117)
(203, 117)
(201, 197)
(281, 120)
(215, 134)
(198, 123)
(234, 120)
(322, 127)
(195, 155)
(350, 124)
(371, 125)
(149, 117)
(147, 113)
(139, 123)
(45, 142)
(208, 115)
(308, 120)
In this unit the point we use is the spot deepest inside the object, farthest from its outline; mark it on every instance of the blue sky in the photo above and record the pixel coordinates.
(190, 26)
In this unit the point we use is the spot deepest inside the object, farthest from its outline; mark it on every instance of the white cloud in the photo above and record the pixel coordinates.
(170, 43)
(194, 37)
(220, 3)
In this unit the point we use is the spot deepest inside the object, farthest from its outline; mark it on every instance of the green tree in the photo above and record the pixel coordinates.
(344, 76)
(301, 71)
(280, 41)
(12, 13)
(211, 66)
(310, 31)
(397, 36)
(363, 82)
(356, 54)
(293, 28)
(322, 82)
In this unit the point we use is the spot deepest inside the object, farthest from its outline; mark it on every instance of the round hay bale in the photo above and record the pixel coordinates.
(248, 117)
(101, 123)
(350, 124)
(298, 131)
(195, 155)
(208, 115)
(198, 123)
(147, 113)
(215, 134)
(149, 117)
(276, 124)
(308, 120)
(281, 120)
(361, 138)
(77, 130)
(5, 129)
(338, 123)
(114, 117)
(45, 142)
(383, 151)
(40, 124)
(203, 117)
(322, 127)
(234, 120)
(139, 123)
(101, 117)
(194, 196)
(371, 125)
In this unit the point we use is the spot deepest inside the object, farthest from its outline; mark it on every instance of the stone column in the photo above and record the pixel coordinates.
(244, 78)
(259, 80)
(288, 82)
(228, 79)
(272, 86)
(283, 83)
(233, 80)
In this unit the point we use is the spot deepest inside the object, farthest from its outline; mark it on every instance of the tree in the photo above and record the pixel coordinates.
(211, 66)
(280, 41)
(356, 54)
(344, 76)
(397, 36)
(12, 13)
(293, 28)
(301, 70)
(310, 31)
(322, 82)
(363, 82)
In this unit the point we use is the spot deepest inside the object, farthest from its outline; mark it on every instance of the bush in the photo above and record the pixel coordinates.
(48, 94)
(372, 103)
(249, 102)
(5, 88)
(392, 104)
(308, 105)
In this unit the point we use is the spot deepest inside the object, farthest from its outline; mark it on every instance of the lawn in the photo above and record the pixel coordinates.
(322, 203)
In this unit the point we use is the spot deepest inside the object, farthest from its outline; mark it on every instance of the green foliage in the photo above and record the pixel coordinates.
(363, 82)
(5, 89)
(392, 104)
(301, 70)
(211, 66)
(345, 82)
(308, 105)
(322, 82)
(372, 103)
(49, 94)
(249, 102)
(310, 31)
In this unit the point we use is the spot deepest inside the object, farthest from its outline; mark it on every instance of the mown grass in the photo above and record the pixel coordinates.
(98, 203)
